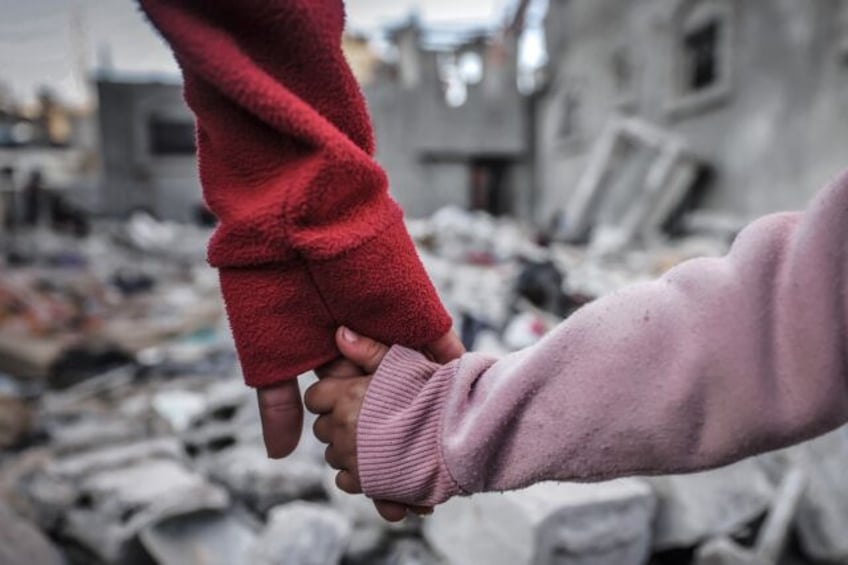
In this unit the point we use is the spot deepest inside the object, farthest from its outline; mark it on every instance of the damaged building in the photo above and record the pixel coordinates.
(751, 93)
(148, 149)
(451, 125)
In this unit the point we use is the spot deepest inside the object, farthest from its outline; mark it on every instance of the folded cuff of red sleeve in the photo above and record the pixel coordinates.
(284, 316)
(400, 429)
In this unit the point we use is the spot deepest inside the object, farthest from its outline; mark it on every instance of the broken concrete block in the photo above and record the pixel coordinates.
(103, 499)
(230, 415)
(603, 523)
(201, 538)
(96, 432)
(410, 551)
(822, 520)
(262, 482)
(358, 508)
(178, 407)
(699, 506)
(302, 533)
(75, 467)
(772, 537)
(22, 544)
(114, 505)
(723, 551)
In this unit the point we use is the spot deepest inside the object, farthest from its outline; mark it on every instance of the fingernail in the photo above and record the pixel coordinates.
(349, 335)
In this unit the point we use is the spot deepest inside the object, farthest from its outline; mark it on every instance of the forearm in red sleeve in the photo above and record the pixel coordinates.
(308, 236)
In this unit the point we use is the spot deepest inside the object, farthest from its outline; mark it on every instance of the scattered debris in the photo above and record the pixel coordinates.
(263, 483)
(629, 155)
(126, 434)
(822, 519)
(548, 523)
(302, 533)
(21, 543)
(201, 538)
(696, 507)
(773, 534)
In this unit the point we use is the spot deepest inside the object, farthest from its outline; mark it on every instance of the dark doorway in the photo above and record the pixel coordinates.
(489, 190)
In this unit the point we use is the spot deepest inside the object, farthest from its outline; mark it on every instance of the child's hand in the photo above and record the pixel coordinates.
(337, 398)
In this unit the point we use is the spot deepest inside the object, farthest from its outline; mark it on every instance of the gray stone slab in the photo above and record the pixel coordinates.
(114, 505)
(302, 533)
(696, 507)
(21, 543)
(772, 537)
(262, 482)
(201, 538)
(603, 523)
(822, 520)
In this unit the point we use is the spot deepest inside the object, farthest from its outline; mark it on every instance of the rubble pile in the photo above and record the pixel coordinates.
(70, 305)
(506, 289)
(153, 454)
(507, 286)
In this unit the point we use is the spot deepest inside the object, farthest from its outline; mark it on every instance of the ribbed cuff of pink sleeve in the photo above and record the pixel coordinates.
(400, 431)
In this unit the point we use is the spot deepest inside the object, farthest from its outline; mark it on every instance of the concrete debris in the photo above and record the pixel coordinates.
(263, 483)
(21, 543)
(201, 538)
(302, 533)
(773, 534)
(822, 519)
(71, 308)
(699, 506)
(102, 498)
(127, 435)
(95, 431)
(178, 407)
(630, 154)
(604, 524)
(113, 506)
(409, 551)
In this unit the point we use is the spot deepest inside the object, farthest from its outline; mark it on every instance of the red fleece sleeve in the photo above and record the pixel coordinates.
(309, 238)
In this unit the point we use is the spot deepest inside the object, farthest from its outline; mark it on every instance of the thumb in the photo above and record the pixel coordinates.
(281, 412)
(363, 351)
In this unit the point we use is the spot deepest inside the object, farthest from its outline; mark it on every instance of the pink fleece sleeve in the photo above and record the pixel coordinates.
(717, 360)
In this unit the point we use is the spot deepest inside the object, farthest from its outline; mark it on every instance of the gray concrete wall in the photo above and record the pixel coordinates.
(427, 146)
(133, 176)
(773, 138)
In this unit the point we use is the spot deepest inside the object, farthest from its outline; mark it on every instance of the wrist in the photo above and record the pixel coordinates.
(400, 431)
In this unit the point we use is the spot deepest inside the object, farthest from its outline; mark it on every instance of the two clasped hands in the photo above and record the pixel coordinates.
(336, 398)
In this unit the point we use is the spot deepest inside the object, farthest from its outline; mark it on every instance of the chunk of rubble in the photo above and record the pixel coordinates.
(21, 543)
(201, 538)
(302, 533)
(772, 537)
(230, 415)
(114, 505)
(822, 520)
(95, 432)
(370, 532)
(587, 524)
(263, 483)
(409, 551)
(103, 499)
(699, 506)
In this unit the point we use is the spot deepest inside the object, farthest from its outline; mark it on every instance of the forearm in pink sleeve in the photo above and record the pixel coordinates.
(717, 360)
